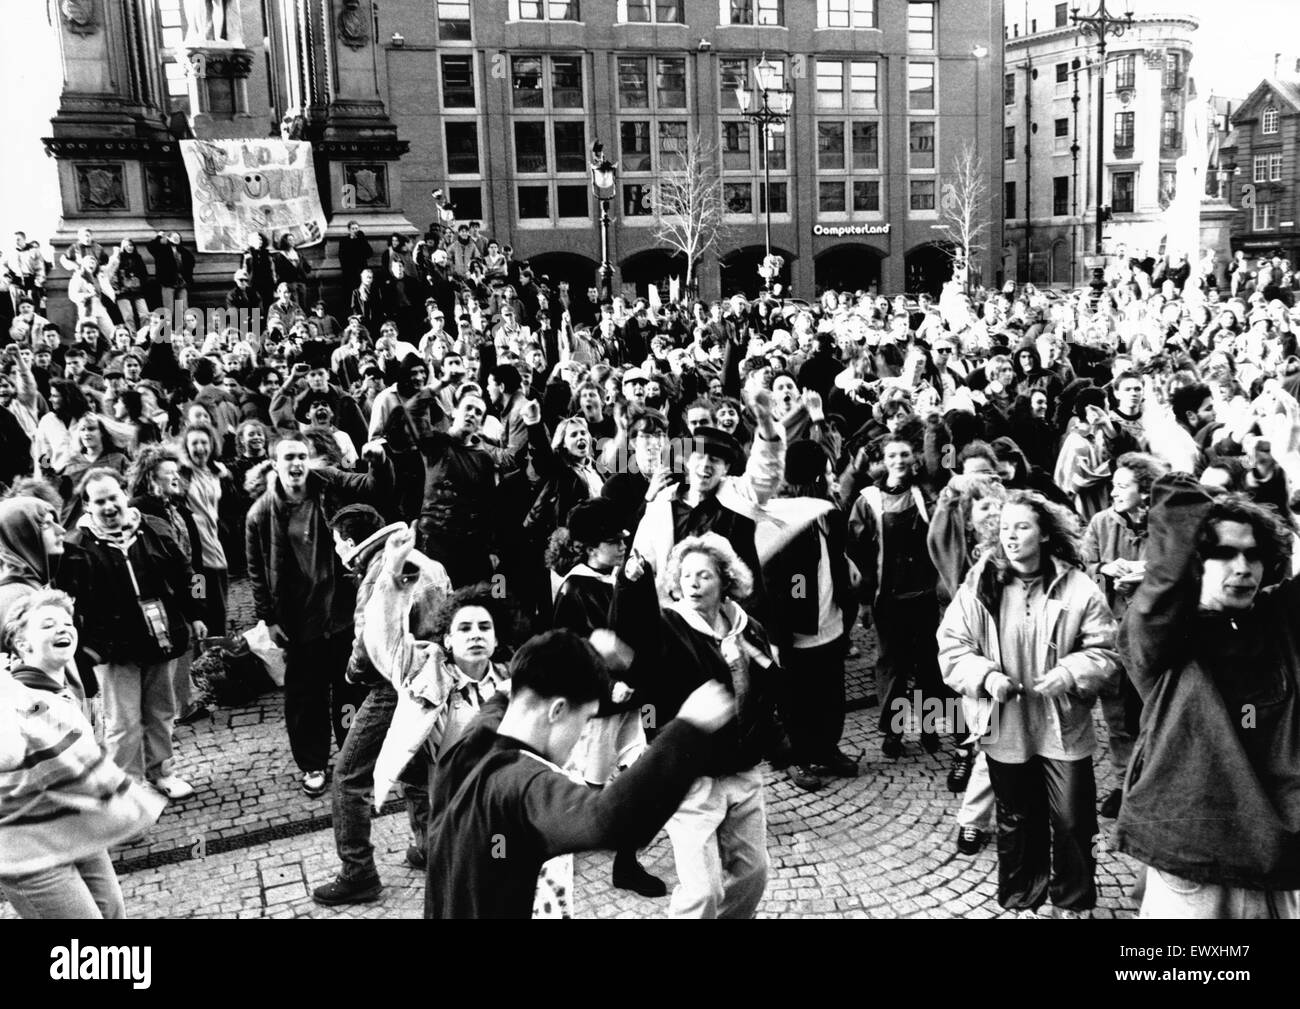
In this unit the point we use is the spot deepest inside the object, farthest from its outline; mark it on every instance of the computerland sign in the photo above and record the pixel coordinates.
(843, 230)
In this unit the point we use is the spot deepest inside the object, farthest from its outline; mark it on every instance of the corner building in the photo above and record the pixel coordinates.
(501, 100)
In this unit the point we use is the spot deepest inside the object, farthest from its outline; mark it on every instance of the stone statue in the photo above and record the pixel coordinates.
(293, 127)
(210, 21)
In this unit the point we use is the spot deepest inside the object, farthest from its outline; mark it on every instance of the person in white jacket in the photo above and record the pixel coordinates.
(1029, 642)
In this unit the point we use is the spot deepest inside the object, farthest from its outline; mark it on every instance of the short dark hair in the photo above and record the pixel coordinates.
(977, 450)
(508, 377)
(99, 473)
(205, 371)
(1188, 399)
(357, 522)
(505, 617)
(560, 664)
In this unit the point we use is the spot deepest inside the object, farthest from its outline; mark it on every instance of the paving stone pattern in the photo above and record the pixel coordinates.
(250, 844)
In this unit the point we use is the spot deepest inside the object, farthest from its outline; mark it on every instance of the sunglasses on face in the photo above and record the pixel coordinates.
(1252, 555)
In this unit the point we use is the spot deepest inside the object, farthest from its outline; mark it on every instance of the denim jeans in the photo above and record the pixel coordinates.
(139, 711)
(84, 889)
(1170, 896)
(354, 781)
(719, 837)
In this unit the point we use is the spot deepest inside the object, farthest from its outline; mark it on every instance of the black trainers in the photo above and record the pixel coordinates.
(806, 778)
(195, 713)
(892, 747)
(1110, 805)
(930, 742)
(629, 874)
(836, 765)
(415, 857)
(970, 840)
(347, 891)
(959, 772)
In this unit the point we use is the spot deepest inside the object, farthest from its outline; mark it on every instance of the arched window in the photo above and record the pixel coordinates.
(1269, 122)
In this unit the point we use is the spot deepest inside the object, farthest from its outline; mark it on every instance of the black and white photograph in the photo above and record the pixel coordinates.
(641, 459)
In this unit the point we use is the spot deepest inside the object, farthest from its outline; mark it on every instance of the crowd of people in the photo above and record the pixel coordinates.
(572, 569)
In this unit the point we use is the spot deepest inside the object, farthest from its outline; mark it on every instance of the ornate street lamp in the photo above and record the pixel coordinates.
(774, 110)
(1100, 24)
(603, 185)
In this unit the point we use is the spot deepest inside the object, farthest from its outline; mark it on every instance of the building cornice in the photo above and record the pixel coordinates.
(97, 147)
(1053, 34)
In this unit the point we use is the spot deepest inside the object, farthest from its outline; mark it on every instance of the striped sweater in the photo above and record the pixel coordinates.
(61, 798)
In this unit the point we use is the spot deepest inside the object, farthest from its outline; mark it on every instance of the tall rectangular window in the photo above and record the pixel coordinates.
(1124, 130)
(830, 84)
(830, 148)
(1009, 89)
(921, 194)
(1261, 168)
(670, 81)
(1265, 217)
(462, 148)
(530, 148)
(633, 82)
(634, 146)
(862, 84)
(468, 201)
(566, 82)
(570, 147)
(1268, 123)
(1275, 168)
(1062, 15)
(1173, 76)
(1008, 200)
(1062, 78)
(866, 146)
(1169, 135)
(920, 145)
(846, 13)
(1121, 192)
(458, 82)
(736, 146)
(1009, 143)
(1126, 71)
(920, 85)
(672, 144)
(920, 24)
(453, 20)
(526, 82)
(732, 73)
(1061, 195)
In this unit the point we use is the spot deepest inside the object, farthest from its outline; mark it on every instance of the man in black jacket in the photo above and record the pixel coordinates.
(354, 254)
(174, 268)
(299, 589)
(502, 807)
(137, 606)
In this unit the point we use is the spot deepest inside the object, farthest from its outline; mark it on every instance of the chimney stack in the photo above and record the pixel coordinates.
(1277, 60)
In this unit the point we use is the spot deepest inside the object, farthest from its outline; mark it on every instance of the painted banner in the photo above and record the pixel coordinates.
(245, 187)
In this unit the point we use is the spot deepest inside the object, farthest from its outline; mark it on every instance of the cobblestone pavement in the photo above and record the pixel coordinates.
(249, 844)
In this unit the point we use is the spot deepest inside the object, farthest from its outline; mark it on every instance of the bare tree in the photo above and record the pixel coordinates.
(963, 212)
(689, 207)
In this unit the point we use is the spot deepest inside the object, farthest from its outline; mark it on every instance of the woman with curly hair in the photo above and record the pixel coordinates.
(719, 833)
(206, 482)
(1029, 642)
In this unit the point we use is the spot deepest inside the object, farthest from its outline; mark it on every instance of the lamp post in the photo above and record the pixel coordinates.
(602, 184)
(774, 110)
(1100, 24)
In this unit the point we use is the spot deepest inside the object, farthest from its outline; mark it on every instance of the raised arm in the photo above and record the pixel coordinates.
(1154, 637)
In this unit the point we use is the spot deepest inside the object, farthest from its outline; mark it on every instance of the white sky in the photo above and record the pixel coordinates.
(1236, 41)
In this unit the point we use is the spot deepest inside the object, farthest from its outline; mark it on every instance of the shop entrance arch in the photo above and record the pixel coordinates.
(927, 268)
(853, 266)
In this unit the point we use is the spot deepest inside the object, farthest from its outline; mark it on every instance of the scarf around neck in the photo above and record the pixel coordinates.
(122, 537)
